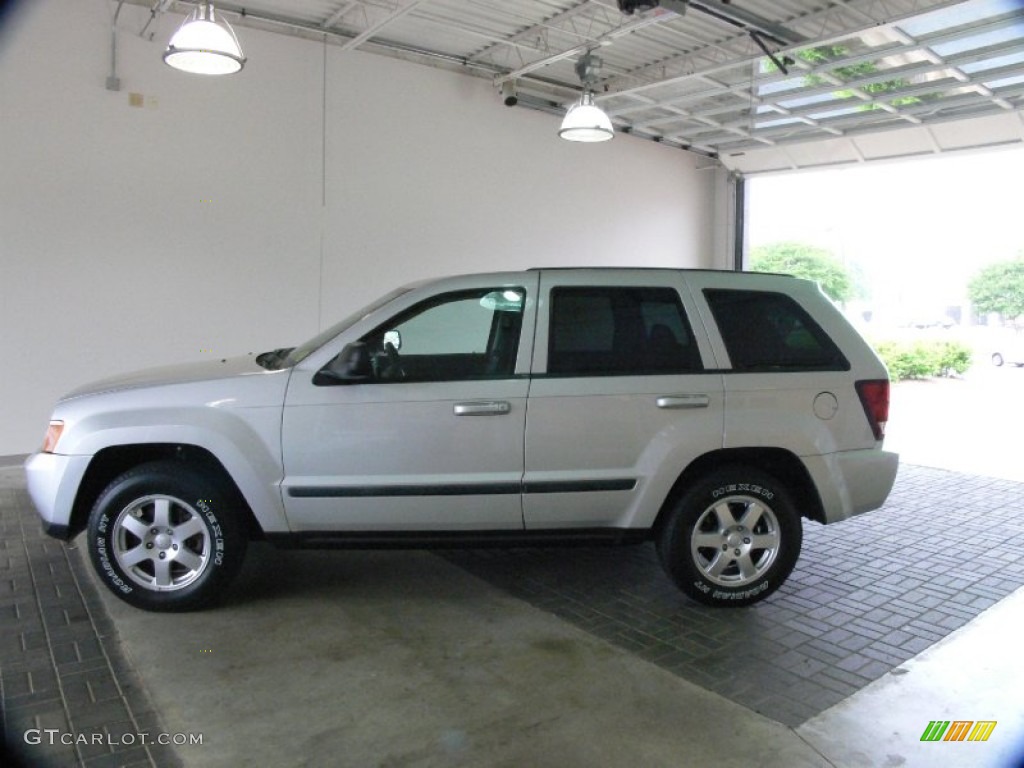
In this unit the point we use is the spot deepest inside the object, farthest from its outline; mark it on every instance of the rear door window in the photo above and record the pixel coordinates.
(608, 330)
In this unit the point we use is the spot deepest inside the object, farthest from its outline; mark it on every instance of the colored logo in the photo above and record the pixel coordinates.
(958, 730)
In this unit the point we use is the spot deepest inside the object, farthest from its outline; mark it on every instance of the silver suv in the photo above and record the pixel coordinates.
(706, 411)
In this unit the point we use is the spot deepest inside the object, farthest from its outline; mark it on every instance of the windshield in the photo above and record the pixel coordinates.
(301, 352)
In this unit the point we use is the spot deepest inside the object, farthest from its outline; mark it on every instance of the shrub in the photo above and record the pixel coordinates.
(954, 358)
(923, 359)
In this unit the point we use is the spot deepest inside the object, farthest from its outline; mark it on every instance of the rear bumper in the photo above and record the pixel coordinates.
(53, 482)
(852, 482)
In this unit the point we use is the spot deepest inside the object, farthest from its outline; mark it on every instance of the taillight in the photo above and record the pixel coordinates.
(52, 436)
(874, 396)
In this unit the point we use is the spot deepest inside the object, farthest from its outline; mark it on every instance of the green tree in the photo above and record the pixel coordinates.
(807, 261)
(999, 288)
(824, 54)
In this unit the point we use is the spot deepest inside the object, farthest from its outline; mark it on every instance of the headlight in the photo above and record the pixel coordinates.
(52, 436)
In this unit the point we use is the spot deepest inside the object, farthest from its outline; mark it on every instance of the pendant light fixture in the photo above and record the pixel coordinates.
(204, 45)
(585, 121)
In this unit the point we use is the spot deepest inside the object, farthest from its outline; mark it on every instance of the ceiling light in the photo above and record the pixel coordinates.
(204, 45)
(585, 121)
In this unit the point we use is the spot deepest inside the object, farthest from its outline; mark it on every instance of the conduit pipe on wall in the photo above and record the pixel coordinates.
(113, 81)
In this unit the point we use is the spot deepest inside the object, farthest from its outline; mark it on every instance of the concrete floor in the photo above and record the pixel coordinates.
(401, 659)
(405, 659)
(977, 673)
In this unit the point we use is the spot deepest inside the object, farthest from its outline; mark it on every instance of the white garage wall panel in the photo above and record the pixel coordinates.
(235, 214)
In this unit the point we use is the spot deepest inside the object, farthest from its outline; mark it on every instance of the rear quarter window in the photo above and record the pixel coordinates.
(769, 331)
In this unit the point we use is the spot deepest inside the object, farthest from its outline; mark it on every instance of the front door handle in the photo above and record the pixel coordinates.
(683, 401)
(483, 408)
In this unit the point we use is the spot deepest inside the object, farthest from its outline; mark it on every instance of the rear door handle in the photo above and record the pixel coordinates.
(683, 401)
(484, 408)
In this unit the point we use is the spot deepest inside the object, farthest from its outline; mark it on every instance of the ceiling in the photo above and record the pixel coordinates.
(730, 80)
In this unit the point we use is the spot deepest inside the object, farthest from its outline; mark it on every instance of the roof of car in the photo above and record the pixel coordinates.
(657, 269)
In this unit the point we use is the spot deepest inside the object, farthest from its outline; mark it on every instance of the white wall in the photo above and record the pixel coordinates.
(234, 214)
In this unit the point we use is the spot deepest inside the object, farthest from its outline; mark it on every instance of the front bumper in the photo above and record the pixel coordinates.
(53, 481)
(852, 482)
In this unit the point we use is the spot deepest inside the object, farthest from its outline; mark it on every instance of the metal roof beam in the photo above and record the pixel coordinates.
(335, 17)
(536, 31)
(622, 30)
(381, 23)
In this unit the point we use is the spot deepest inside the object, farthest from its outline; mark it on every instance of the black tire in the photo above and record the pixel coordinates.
(165, 537)
(731, 512)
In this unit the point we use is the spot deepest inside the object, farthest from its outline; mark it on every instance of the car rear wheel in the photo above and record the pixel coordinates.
(997, 359)
(731, 539)
(164, 537)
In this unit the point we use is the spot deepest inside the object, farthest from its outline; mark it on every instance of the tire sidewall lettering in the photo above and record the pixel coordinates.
(751, 488)
(107, 566)
(741, 594)
(216, 531)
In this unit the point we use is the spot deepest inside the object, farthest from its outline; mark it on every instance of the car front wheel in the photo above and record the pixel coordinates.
(163, 537)
(731, 539)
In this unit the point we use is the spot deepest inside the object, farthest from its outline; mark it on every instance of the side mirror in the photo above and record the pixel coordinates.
(351, 366)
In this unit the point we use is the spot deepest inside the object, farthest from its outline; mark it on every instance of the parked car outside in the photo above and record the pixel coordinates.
(1010, 350)
(705, 411)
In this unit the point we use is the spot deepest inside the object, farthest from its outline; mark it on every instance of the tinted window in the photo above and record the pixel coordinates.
(766, 331)
(464, 335)
(607, 331)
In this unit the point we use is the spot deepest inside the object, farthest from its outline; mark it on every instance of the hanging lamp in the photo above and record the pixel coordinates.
(205, 45)
(585, 121)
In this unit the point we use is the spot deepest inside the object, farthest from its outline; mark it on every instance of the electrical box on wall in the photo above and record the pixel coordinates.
(141, 100)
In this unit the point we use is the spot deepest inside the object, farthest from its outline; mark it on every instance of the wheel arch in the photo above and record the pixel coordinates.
(113, 461)
(781, 464)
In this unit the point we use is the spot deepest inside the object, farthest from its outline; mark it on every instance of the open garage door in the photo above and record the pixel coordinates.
(949, 79)
(926, 256)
